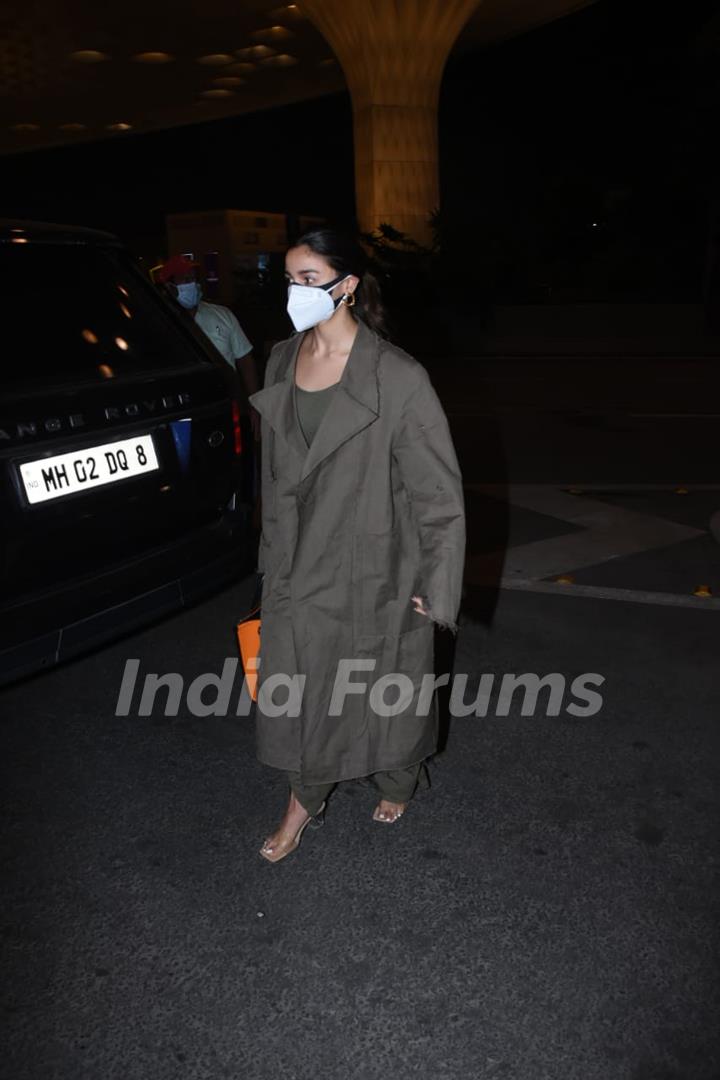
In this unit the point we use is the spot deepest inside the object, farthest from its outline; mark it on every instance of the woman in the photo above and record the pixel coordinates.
(362, 546)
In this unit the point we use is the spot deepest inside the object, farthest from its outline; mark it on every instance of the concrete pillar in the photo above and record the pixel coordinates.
(393, 53)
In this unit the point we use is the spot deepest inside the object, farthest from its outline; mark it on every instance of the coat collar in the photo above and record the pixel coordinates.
(354, 405)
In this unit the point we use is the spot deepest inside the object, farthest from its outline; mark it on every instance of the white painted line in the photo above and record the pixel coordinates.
(607, 531)
(590, 357)
(602, 592)
(609, 487)
(598, 489)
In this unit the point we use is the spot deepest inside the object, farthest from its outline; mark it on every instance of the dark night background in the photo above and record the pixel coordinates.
(547, 910)
(606, 117)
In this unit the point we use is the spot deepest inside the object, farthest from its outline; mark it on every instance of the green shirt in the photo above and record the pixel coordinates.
(310, 406)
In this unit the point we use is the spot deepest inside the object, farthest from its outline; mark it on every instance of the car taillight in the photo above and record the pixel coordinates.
(237, 433)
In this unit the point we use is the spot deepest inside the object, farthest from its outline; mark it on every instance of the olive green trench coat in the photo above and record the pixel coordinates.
(353, 527)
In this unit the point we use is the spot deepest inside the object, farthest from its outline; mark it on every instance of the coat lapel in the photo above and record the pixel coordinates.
(353, 406)
(276, 403)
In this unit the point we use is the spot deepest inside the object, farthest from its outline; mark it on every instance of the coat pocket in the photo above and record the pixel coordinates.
(376, 573)
(385, 577)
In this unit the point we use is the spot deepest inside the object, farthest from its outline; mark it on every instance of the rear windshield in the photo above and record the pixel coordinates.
(76, 313)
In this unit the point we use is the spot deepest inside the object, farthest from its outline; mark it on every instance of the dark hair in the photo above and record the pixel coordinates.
(345, 254)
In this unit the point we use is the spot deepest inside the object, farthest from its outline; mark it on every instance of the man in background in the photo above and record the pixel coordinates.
(218, 323)
(179, 277)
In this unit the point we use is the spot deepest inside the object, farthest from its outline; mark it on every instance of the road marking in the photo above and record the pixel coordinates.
(603, 592)
(607, 533)
(626, 488)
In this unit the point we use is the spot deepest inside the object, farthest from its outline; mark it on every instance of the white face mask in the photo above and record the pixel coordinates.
(188, 294)
(309, 305)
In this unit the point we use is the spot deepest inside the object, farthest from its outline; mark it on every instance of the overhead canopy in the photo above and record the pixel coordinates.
(77, 71)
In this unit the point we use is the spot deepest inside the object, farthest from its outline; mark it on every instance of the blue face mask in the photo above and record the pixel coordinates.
(188, 294)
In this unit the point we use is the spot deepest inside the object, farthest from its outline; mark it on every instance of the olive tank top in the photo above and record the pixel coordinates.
(310, 406)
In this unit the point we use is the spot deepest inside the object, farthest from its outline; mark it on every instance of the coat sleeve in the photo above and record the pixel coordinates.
(428, 465)
(265, 480)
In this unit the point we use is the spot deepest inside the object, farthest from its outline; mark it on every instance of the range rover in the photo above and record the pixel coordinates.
(121, 479)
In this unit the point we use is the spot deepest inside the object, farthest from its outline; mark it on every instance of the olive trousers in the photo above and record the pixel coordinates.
(397, 785)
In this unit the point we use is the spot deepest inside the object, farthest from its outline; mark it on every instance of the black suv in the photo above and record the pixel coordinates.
(121, 478)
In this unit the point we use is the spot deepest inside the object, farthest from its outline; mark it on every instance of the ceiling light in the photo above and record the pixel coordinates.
(73, 127)
(282, 60)
(217, 93)
(215, 59)
(229, 80)
(25, 127)
(255, 52)
(122, 344)
(273, 33)
(90, 337)
(89, 56)
(153, 58)
(329, 61)
(19, 240)
(119, 127)
(289, 11)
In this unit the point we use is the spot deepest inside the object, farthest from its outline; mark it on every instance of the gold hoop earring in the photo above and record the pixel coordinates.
(349, 299)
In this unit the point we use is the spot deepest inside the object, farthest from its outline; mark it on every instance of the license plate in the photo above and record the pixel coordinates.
(95, 466)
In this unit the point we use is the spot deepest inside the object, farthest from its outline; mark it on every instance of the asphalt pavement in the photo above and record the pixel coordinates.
(546, 910)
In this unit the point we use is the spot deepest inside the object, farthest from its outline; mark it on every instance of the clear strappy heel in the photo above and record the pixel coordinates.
(286, 848)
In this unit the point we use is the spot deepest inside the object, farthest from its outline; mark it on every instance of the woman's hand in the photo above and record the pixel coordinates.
(419, 606)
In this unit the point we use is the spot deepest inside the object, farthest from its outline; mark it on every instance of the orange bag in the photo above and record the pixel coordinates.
(248, 637)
